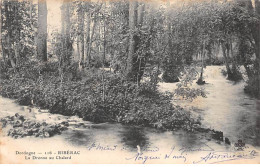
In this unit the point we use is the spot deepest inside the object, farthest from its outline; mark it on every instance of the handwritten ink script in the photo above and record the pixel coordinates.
(171, 155)
(209, 155)
(182, 155)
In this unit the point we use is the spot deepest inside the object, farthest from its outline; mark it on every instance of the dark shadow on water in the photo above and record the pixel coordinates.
(257, 141)
(78, 138)
(133, 136)
(188, 139)
(102, 126)
(248, 122)
(250, 132)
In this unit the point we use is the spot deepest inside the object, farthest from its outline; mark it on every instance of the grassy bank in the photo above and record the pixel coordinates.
(92, 98)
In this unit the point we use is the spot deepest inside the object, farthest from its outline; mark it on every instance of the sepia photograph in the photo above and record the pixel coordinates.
(129, 81)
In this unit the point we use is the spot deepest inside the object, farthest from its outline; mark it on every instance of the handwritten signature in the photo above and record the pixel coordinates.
(219, 156)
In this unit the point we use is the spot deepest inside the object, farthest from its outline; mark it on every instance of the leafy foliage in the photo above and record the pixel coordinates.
(124, 102)
(18, 28)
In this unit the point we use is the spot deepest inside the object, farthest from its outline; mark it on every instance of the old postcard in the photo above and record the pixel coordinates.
(130, 82)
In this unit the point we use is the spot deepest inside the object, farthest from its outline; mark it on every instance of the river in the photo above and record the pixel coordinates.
(226, 108)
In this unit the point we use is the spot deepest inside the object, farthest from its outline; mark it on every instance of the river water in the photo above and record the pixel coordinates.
(226, 109)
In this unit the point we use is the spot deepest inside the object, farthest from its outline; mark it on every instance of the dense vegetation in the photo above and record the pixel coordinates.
(138, 41)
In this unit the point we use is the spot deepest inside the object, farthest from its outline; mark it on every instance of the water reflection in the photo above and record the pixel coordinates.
(78, 137)
(133, 136)
(108, 134)
(186, 139)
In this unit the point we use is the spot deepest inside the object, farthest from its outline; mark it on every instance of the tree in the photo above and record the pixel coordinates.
(87, 18)
(137, 43)
(67, 44)
(81, 23)
(1, 20)
(250, 32)
(224, 53)
(9, 17)
(104, 52)
(42, 30)
(17, 31)
(170, 67)
(256, 36)
(142, 44)
(132, 41)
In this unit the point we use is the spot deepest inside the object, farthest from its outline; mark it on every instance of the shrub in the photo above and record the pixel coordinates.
(234, 75)
(170, 77)
(252, 87)
(224, 72)
(216, 61)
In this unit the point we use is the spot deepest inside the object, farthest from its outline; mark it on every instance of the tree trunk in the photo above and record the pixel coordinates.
(200, 80)
(140, 14)
(86, 60)
(10, 56)
(91, 38)
(140, 58)
(135, 63)
(103, 57)
(67, 45)
(224, 51)
(233, 57)
(42, 31)
(1, 52)
(17, 35)
(31, 9)
(256, 36)
(132, 41)
(169, 30)
(1, 39)
(202, 60)
(81, 22)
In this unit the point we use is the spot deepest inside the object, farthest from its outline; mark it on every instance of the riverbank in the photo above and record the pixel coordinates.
(226, 108)
(27, 121)
(110, 143)
(148, 114)
(219, 115)
(141, 107)
(86, 95)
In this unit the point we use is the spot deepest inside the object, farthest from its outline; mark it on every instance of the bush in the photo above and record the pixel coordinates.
(170, 77)
(224, 72)
(252, 87)
(122, 102)
(172, 69)
(216, 61)
(234, 75)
